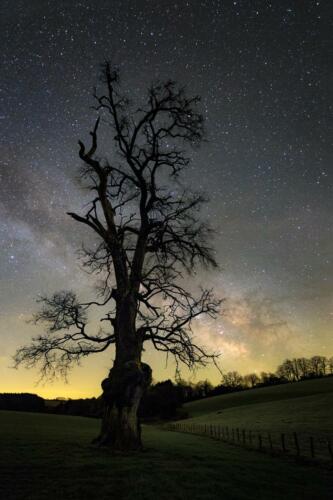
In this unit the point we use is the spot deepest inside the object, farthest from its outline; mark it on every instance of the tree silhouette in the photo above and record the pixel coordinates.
(148, 233)
(232, 379)
(251, 380)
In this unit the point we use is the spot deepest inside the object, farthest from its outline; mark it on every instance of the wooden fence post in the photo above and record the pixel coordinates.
(329, 447)
(312, 449)
(283, 443)
(270, 442)
(243, 437)
(296, 444)
(259, 441)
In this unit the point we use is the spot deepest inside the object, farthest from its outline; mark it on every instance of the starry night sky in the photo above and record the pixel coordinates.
(262, 69)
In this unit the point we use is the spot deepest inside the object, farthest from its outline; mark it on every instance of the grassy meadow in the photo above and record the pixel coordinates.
(305, 407)
(49, 457)
(261, 395)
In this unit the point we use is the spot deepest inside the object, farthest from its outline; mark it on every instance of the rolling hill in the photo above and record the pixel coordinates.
(305, 406)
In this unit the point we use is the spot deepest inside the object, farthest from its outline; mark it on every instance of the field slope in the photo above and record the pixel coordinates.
(305, 407)
(261, 395)
(49, 457)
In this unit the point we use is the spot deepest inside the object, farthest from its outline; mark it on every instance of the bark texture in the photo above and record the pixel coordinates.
(122, 393)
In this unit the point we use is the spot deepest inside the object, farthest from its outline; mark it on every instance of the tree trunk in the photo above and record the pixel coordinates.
(126, 383)
(122, 393)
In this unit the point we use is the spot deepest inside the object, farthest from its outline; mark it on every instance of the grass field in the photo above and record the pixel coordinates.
(262, 395)
(49, 457)
(305, 407)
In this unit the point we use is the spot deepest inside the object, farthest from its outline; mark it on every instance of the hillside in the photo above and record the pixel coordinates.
(304, 406)
(260, 395)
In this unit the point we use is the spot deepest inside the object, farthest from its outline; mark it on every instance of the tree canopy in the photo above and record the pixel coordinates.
(148, 235)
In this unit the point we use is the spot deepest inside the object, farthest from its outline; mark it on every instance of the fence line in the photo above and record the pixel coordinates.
(293, 444)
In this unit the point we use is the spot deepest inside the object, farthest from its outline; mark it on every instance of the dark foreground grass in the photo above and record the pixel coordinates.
(49, 457)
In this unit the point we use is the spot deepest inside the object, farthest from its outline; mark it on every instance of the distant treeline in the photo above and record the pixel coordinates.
(164, 400)
(291, 370)
(21, 402)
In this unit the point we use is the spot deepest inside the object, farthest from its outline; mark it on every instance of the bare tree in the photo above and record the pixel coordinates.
(148, 233)
(251, 380)
(284, 371)
(330, 365)
(318, 365)
(289, 370)
(304, 367)
(232, 379)
(203, 388)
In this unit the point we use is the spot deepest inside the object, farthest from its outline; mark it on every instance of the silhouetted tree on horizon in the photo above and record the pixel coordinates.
(318, 365)
(21, 402)
(330, 365)
(251, 380)
(232, 379)
(148, 232)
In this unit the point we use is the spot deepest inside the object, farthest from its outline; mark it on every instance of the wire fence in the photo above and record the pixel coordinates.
(301, 445)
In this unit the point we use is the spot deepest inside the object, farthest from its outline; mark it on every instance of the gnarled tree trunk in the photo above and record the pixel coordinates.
(127, 381)
(122, 393)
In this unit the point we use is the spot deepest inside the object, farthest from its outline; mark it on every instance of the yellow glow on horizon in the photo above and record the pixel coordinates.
(251, 350)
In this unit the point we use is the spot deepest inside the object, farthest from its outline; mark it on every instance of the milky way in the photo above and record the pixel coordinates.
(263, 71)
